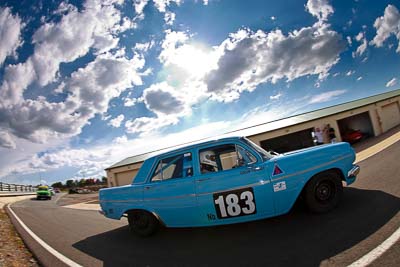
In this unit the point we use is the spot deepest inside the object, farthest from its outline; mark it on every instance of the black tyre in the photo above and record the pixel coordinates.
(323, 192)
(142, 223)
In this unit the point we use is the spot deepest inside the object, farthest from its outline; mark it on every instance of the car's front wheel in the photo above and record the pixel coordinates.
(323, 192)
(142, 223)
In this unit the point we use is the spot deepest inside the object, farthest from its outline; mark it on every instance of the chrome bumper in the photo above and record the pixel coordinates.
(354, 171)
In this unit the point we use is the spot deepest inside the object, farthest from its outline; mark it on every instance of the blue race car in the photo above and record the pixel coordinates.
(226, 181)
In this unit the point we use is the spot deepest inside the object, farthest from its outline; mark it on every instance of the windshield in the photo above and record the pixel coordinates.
(44, 188)
(266, 155)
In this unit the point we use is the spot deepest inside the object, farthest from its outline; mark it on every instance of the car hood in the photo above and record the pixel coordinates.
(307, 158)
(313, 148)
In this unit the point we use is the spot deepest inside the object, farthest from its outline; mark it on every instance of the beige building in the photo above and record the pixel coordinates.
(372, 116)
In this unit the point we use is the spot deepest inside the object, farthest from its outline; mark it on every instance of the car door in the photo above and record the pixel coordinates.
(238, 189)
(170, 191)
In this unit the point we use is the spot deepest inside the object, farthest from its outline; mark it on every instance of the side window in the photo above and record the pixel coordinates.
(224, 157)
(173, 167)
(246, 156)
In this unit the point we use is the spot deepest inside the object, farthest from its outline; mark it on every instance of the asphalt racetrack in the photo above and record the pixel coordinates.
(367, 215)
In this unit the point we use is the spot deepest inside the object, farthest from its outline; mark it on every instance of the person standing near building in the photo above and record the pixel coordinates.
(319, 136)
(331, 133)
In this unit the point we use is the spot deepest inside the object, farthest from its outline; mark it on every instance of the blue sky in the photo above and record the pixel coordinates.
(84, 84)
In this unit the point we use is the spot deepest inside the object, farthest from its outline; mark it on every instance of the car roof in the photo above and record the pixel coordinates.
(189, 147)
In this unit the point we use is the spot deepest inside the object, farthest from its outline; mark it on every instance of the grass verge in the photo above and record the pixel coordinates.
(13, 251)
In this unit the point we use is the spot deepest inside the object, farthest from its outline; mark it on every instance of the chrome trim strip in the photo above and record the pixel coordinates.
(172, 197)
(120, 201)
(354, 171)
(311, 169)
(236, 188)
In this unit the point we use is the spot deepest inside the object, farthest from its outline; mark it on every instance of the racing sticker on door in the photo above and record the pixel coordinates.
(235, 203)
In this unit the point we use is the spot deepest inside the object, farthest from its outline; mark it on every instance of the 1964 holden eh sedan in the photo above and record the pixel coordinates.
(226, 181)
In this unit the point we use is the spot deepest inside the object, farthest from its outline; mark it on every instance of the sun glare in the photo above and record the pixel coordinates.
(194, 60)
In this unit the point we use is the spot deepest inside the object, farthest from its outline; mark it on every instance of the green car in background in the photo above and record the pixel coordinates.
(43, 192)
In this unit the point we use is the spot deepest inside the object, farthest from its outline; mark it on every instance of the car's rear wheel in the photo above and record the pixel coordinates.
(323, 192)
(142, 223)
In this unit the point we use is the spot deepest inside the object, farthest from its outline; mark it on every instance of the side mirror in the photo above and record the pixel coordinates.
(240, 162)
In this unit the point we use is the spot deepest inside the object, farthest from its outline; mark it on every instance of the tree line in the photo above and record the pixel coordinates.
(80, 183)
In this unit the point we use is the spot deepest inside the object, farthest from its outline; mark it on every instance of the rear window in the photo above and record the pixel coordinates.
(43, 188)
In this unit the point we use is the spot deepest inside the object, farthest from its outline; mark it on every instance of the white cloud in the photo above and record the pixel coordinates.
(251, 58)
(15, 80)
(164, 99)
(144, 47)
(349, 41)
(168, 104)
(147, 125)
(391, 83)
(130, 102)
(89, 91)
(359, 78)
(55, 43)
(116, 122)
(350, 72)
(120, 140)
(140, 5)
(172, 40)
(361, 49)
(319, 8)
(273, 18)
(63, 8)
(6, 140)
(327, 96)
(169, 18)
(360, 37)
(162, 5)
(10, 33)
(275, 97)
(387, 25)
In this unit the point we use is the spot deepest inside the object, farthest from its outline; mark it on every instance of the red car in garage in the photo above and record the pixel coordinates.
(352, 136)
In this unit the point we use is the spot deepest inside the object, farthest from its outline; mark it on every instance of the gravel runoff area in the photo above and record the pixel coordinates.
(13, 251)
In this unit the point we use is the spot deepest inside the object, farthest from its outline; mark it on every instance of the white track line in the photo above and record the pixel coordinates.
(51, 250)
(385, 245)
(378, 251)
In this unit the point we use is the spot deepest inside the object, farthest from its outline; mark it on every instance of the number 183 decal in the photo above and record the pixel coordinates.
(235, 203)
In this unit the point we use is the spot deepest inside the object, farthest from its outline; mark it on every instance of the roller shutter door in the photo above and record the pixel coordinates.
(124, 178)
(390, 116)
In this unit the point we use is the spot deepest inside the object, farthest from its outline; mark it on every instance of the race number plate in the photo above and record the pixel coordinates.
(235, 203)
